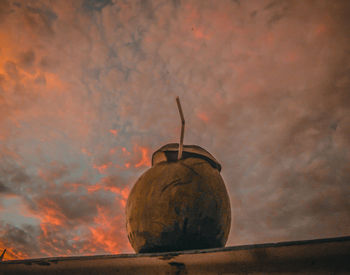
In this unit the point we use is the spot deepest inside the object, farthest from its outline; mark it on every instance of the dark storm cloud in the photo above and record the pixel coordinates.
(96, 5)
(13, 178)
(47, 15)
(27, 58)
(40, 18)
(3, 188)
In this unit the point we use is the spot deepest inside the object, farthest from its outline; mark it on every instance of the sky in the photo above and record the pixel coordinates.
(87, 94)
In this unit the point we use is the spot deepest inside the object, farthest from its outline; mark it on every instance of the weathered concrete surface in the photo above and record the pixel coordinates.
(323, 256)
(178, 205)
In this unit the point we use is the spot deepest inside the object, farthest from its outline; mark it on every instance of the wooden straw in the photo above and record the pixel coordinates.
(179, 156)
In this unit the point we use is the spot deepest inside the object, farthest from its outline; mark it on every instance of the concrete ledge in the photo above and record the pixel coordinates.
(321, 256)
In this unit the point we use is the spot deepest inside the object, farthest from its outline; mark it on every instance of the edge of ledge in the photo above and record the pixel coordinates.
(176, 253)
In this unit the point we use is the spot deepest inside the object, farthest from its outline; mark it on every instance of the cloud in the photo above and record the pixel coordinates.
(96, 5)
(87, 93)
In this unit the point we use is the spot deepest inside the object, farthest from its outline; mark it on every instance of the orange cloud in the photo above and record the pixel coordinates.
(199, 33)
(103, 185)
(125, 151)
(102, 168)
(203, 116)
(145, 157)
(86, 152)
(113, 132)
(112, 150)
(11, 253)
(104, 232)
(49, 213)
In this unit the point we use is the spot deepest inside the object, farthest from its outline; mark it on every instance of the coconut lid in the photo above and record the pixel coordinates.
(169, 153)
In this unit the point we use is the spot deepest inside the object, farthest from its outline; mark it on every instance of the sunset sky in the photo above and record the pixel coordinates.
(87, 93)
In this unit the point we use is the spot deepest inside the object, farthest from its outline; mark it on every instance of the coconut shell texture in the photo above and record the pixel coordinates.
(178, 205)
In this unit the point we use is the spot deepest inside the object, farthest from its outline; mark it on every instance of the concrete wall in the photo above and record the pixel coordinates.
(323, 256)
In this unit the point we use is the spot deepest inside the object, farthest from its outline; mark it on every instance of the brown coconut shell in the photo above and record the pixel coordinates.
(179, 204)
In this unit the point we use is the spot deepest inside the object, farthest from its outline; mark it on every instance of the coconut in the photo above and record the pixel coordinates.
(179, 204)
